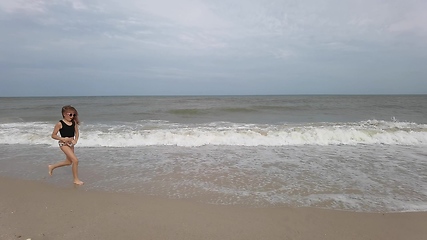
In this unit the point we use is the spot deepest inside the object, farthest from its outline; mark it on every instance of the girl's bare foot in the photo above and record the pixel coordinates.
(78, 182)
(50, 170)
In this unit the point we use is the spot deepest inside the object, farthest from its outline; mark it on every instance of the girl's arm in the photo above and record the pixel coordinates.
(76, 134)
(55, 132)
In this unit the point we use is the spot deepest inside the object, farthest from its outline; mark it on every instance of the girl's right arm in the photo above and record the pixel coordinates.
(55, 132)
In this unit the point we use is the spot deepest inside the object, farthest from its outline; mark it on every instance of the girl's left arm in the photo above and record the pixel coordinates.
(76, 134)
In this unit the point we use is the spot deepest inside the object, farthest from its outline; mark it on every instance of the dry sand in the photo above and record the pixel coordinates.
(37, 210)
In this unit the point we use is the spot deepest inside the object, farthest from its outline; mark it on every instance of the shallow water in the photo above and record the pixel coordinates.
(393, 179)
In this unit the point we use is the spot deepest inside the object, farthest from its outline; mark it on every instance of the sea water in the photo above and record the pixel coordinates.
(358, 153)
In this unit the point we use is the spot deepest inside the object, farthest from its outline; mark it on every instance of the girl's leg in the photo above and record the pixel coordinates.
(66, 162)
(69, 152)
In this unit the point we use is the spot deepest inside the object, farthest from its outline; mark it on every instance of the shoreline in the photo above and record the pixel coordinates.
(37, 210)
(340, 178)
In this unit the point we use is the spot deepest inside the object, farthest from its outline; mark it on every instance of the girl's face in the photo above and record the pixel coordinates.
(69, 115)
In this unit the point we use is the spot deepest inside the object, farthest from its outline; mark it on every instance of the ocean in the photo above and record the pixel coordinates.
(356, 153)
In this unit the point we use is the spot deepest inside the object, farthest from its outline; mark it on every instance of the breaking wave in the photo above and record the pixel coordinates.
(150, 133)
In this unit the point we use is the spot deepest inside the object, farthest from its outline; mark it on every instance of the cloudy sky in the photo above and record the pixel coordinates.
(204, 47)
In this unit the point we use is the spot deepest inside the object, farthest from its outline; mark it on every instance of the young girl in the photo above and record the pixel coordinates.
(69, 130)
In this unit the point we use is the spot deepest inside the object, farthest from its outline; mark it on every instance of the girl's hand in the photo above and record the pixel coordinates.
(74, 142)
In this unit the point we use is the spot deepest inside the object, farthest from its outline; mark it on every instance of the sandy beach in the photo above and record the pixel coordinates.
(37, 210)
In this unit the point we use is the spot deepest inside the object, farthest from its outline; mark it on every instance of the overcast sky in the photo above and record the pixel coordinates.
(204, 47)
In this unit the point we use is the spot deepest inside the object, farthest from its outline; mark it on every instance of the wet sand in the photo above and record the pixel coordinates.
(38, 210)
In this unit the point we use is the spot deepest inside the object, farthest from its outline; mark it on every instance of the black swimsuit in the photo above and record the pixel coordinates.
(66, 131)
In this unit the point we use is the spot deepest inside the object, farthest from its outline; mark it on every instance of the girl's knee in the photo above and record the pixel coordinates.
(75, 160)
(72, 160)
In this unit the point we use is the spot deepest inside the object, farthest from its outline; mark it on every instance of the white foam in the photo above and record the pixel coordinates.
(26, 133)
(385, 178)
(162, 133)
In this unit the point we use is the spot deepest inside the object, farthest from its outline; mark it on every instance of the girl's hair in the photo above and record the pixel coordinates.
(71, 108)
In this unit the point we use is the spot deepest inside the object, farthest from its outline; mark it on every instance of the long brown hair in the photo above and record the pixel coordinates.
(71, 108)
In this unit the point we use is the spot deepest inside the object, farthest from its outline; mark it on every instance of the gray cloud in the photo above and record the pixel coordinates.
(212, 47)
